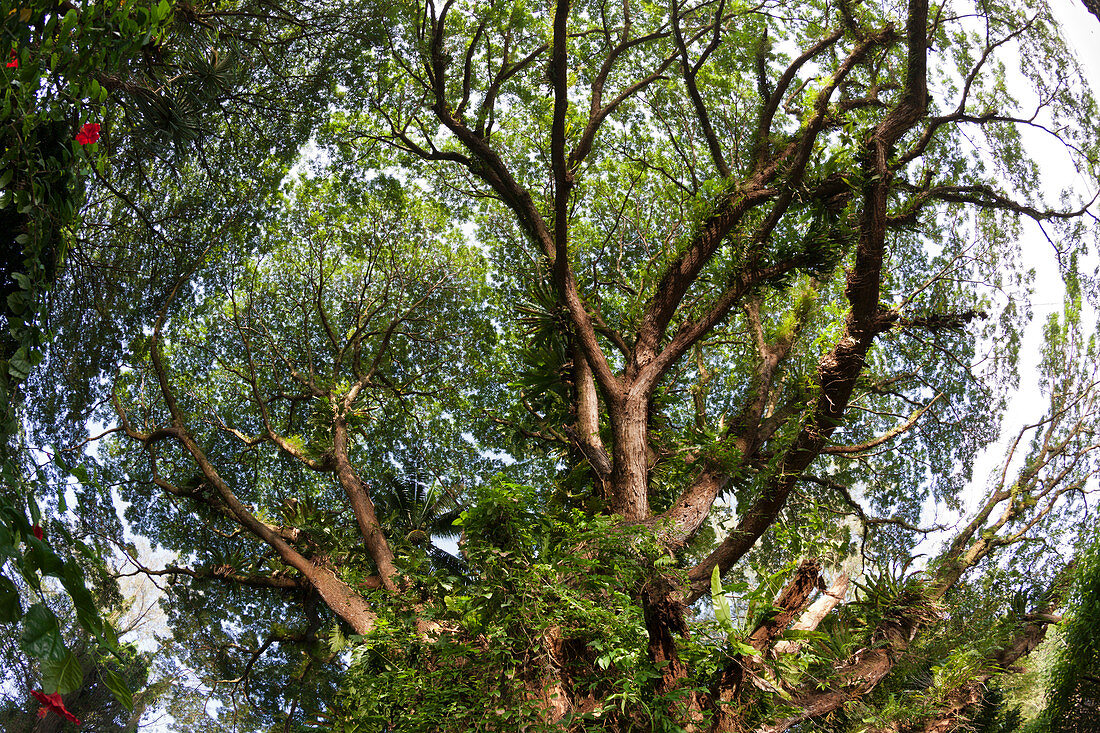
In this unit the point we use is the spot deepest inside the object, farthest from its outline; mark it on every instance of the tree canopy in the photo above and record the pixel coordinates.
(562, 366)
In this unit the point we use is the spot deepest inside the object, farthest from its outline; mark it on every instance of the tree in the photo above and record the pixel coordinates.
(746, 299)
(56, 51)
(93, 678)
(1073, 681)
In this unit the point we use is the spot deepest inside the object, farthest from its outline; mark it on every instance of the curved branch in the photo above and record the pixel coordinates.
(221, 574)
(689, 73)
(885, 437)
(337, 594)
(812, 617)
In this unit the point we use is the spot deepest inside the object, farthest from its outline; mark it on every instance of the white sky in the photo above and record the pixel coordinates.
(1082, 30)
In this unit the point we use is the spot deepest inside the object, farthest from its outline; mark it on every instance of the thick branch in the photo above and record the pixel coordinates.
(812, 617)
(337, 594)
(692, 507)
(683, 272)
(841, 367)
(790, 601)
(487, 165)
(588, 419)
(767, 115)
(952, 711)
(362, 506)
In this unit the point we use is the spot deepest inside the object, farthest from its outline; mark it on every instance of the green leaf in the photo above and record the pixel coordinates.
(17, 302)
(41, 557)
(7, 544)
(86, 613)
(107, 637)
(36, 513)
(718, 598)
(117, 686)
(67, 23)
(19, 361)
(10, 608)
(744, 649)
(81, 473)
(41, 636)
(62, 675)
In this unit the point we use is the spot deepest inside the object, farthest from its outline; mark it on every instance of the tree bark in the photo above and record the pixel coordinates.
(816, 613)
(369, 526)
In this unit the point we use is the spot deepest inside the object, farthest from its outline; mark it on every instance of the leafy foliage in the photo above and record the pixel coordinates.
(1071, 703)
(514, 620)
(640, 303)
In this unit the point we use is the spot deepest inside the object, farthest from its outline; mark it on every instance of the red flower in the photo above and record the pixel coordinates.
(14, 63)
(53, 702)
(88, 134)
(37, 531)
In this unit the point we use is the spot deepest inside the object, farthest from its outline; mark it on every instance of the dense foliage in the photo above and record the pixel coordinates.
(566, 366)
(1074, 699)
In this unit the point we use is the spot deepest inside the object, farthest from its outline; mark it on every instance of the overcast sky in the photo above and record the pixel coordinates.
(1082, 29)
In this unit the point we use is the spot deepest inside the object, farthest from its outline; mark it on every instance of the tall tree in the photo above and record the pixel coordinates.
(676, 300)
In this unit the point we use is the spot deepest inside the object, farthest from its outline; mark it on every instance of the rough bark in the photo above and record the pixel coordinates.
(854, 677)
(789, 602)
(588, 420)
(664, 621)
(842, 366)
(338, 595)
(867, 667)
(816, 613)
(622, 397)
(359, 498)
(731, 681)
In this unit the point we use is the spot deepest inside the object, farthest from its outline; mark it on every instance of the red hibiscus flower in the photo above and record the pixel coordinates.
(88, 134)
(37, 531)
(53, 702)
(14, 63)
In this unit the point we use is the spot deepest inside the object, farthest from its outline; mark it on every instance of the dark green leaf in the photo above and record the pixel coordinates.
(117, 687)
(62, 675)
(10, 608)
(41, 636)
